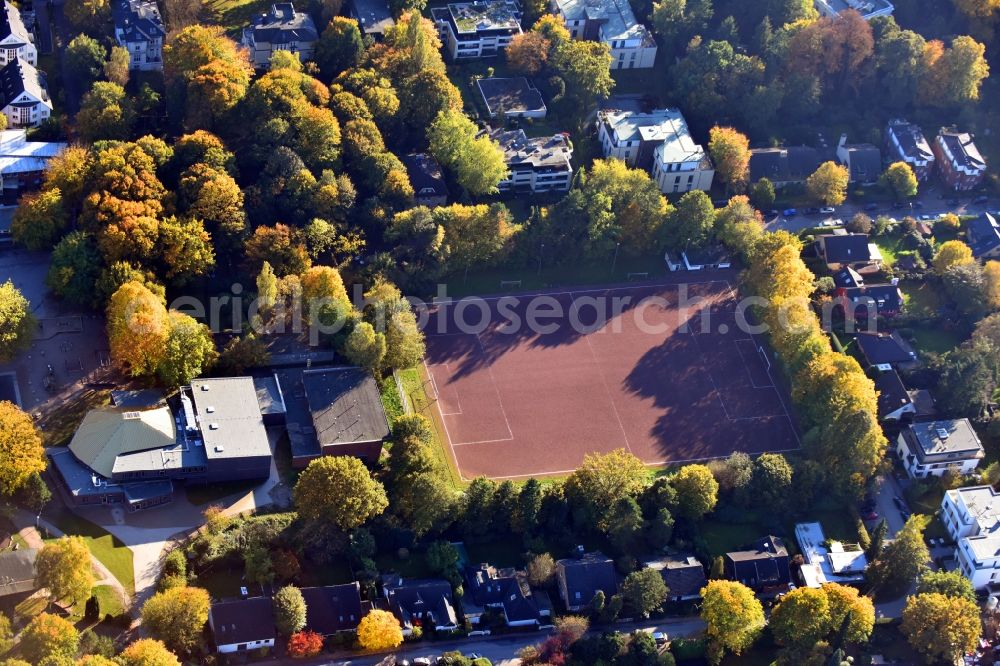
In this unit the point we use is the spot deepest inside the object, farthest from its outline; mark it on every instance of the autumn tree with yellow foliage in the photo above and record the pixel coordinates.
(379, 630)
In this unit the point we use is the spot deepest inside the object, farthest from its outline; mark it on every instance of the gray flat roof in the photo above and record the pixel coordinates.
(229, 417)
(936, 438)
(512, 95)
(345, 406)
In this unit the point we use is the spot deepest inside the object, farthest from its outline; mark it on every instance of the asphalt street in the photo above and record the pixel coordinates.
(932, 204)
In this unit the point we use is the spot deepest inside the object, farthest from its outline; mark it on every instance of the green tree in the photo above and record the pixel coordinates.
(64, 567)
(901, 180)
(190, 351)
(772, 481)
(903, 560)
(339, 489)
(697, 491)
(21, 452)
(442, 559)
(801, 618)
(339, 47)
(84, 59)
(602, 480)
(365, 347)
(289, 610)
(762, 194)
(34, 494)
(643, 591)
(828, 184)
(477, 162)
(39, 219)
(625, 524)
(177, 617)
(106, 112)
(585, 67)
(949, 583)
(692, 221)
(733, 616)
(17, 324)
(90, 16)
(941, 627)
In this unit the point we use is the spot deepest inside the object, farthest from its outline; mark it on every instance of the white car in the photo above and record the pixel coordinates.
(828, 210)
(831, 222)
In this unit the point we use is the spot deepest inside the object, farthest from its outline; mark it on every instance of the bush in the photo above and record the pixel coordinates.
(305, 644)
(688, 648)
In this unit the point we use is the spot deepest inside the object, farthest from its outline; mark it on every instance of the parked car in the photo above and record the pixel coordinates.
(831, 222)
(898, 204)
(981, 199)
(927, 218)
(916, 204)
(790, 212)
(660, 637)
(871, 206)
(869, 515)
(422, 661)
(826, 210)
(773, 212)
(953, 202)
(812, 211)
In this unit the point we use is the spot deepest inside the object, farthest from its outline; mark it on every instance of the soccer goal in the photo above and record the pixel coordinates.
(510, 284)
(763, 355)
(637, 276)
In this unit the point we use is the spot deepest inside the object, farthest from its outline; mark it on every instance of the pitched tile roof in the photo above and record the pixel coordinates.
(242, 620)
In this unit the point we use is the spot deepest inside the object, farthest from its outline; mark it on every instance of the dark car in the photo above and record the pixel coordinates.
(812, 211)
(953, 202)
(789, 212)
(774, 212)
(981, 199)
(871, 206)
(899, 204)
(917, 204)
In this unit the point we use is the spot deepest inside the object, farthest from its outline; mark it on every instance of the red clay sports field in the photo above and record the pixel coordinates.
(524, 403)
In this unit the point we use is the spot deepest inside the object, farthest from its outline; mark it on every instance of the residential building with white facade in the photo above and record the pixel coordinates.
(935, 447)
(139, 29)
(658, 142)
(280, 29)
(972, 517)
(611, 22)
(16, 41)
(906, 143)
(868, 9)
(536, 164)
(477, 29)
(24, 95)
(23, 162)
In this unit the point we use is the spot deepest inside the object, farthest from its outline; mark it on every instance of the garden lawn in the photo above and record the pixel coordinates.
(111, 552)
(722, 538)
(414, 385)
(923, 298)
(234, 15)
(935, 339)
(108, 601)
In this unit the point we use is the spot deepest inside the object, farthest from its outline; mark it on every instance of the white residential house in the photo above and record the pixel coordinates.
(139, 29)
(536, 164)
(16, 41)
(280, 29)
(868, 9)
(972, 517)
(23, 162)
(477, 29)
(827, 560)
(242, 625)
(611, 22)
(24, 95)
(658, 142)
(935, 447)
